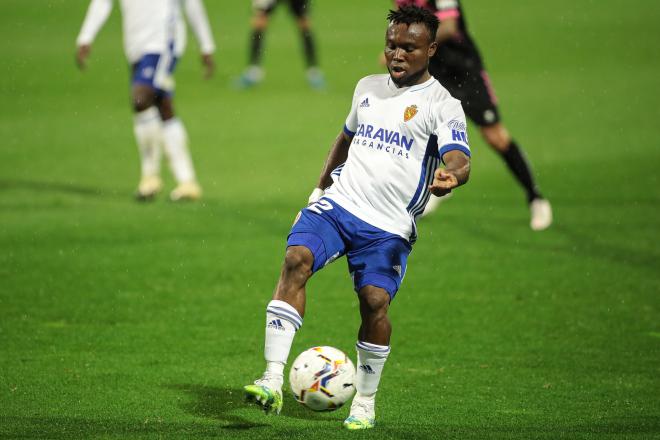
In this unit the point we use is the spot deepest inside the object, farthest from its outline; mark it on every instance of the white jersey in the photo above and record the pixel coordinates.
(151, 26)
(399, 137)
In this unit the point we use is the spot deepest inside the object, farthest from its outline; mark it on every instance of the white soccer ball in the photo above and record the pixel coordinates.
(322, 378)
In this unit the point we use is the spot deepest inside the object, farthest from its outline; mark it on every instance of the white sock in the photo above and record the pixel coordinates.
(282, 322)
(148, 129)
(175, 141)
(371, 360)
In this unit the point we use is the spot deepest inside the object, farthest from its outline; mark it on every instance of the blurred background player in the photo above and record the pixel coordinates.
(154, 40)
(254, 73)
(458, 66)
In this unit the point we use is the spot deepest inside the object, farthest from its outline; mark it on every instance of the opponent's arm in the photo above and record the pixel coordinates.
(337, 156)
(455, 173)
(199, 22)
(97, 14)
(447, 30)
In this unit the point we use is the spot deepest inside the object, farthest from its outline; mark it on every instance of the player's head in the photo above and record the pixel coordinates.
(409, 43)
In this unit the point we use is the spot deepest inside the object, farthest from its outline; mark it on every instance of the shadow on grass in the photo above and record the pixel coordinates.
(216, 403)
(222, 403)
(62, 427)
(61, 187)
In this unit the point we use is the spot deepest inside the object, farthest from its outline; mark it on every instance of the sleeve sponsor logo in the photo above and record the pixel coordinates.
(458, 131)
(457, 125)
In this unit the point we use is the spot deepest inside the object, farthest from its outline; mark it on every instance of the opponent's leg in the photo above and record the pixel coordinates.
(314, 73)
(147, 127)
(175, 141)
(254, 74)
(284, 316)
(498, 137)
(372, 351)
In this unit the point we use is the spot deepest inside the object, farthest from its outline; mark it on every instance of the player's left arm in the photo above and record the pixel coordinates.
(454, 148)
(199, 22)
(455, 173)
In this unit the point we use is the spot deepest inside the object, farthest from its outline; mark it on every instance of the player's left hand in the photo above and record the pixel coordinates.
(82, 53)
(443, 182)
(209, 65)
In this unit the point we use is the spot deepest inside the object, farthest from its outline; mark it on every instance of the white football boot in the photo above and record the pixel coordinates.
(541, 214)
(186, 191)
(148, 187)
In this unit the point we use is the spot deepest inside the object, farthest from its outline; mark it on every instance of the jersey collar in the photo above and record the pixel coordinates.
(394, 88)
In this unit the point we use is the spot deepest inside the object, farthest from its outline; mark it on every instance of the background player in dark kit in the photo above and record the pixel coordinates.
(458, 66)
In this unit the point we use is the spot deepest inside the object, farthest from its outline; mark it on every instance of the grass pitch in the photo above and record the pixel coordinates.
(126, 320)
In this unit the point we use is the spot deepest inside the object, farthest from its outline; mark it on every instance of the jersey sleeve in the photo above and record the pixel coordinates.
(199, 23)
(451, 128)
(97, 14)
(350, 126)
(447, 9)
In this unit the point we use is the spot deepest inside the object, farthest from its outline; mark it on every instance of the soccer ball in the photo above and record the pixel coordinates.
(321, 378)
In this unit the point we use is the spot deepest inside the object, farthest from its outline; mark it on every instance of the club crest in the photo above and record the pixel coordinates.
(409, 113)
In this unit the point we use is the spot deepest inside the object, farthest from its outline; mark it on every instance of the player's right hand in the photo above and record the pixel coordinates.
(82, 54)
(315, 196)
(209, 65)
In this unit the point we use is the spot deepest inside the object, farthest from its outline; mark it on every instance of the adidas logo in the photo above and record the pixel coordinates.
(276, 324)
(365, 103)
(397, 268)
(367, 369)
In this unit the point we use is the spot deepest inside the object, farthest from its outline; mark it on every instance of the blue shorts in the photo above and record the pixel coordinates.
(157, 71)
(375, 257)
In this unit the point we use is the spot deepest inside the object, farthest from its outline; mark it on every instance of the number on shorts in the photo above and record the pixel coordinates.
(321, 205)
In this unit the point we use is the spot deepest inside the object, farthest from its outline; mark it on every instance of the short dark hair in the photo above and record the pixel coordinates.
(412, 14)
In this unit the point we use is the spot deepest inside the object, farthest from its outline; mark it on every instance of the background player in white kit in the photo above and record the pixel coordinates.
(154, 39)
(376, 181)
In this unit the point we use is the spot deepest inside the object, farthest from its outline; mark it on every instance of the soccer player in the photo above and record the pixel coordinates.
(154, 40)
(377, 178)
(458, 66)
(263, 9)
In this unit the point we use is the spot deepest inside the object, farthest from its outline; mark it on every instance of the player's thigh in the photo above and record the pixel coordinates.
(316, 229)
(155, 71)
(479, 100)
(142, 97)
(265, 7)
(381, 263)
(299, 8)
(165, 105)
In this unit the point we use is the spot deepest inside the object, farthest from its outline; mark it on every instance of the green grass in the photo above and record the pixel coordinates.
(125, 320)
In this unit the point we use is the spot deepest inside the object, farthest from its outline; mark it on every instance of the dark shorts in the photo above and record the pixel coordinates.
(470, 85)
(157, 71)
(375, 257)
(299, 8)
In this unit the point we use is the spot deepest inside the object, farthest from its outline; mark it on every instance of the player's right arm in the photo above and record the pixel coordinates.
(339, 151)
(337, 156)
(97, 14)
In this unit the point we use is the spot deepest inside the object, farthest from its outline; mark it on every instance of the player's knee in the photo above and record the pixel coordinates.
(303, 24)
(166, 109)
(374, 301)
(298, 262)
(497, 137)
(142, 99)
(260, 21)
